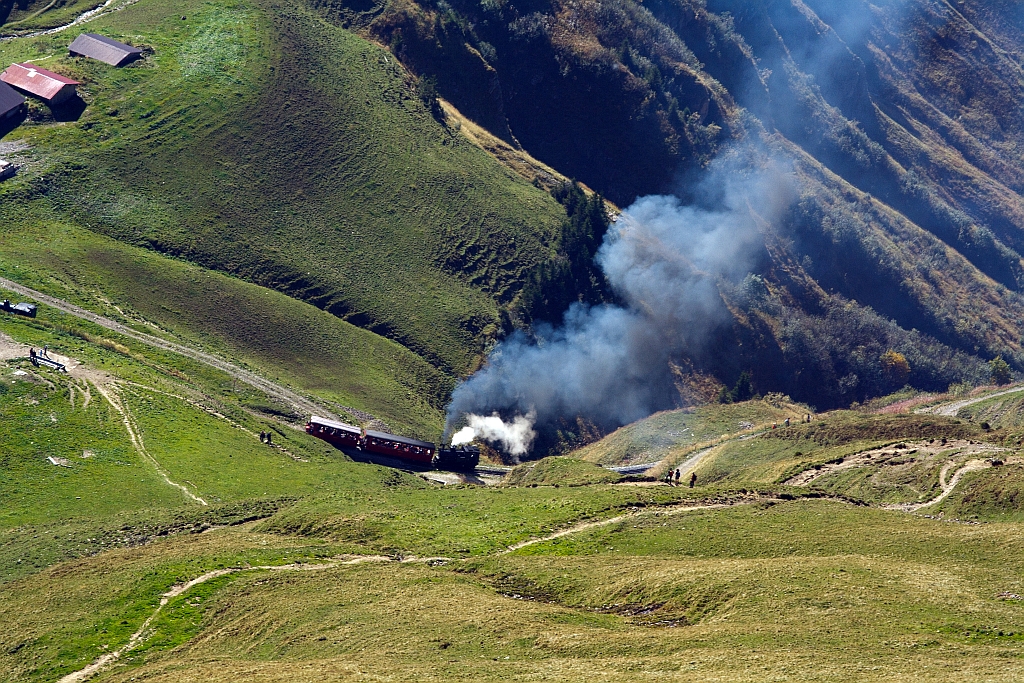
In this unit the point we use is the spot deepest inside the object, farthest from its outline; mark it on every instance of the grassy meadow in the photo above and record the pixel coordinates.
(671, 434)
(290, 341)
(270, 188)
(331, 569)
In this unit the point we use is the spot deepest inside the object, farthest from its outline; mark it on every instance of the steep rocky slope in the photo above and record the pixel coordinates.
(897, 119)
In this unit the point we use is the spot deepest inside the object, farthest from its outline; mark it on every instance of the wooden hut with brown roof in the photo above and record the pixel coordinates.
(104, 49)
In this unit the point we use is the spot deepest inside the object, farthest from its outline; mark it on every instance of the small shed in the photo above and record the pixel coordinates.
(49, 87)
(11, 102)
(104, 49)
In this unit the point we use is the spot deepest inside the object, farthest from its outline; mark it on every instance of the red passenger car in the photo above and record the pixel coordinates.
(398, 447)
(335, 433)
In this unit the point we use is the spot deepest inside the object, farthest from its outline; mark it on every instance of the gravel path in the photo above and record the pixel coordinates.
(951, 409)
(299, 403)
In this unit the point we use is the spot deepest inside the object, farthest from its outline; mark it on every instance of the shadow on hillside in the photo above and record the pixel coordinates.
(7, 125)
(68, 111)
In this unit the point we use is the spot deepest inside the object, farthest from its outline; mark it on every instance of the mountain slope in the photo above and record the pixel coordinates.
(898, 120)
(271, 142)
(260, 141)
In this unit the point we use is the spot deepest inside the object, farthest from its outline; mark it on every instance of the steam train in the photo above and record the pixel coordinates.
(341, 435)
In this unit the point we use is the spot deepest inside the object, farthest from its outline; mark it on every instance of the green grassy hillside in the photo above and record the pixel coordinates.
(260, 144)
(667, 434)
(261, 141)
(285, 339)
(560, 471)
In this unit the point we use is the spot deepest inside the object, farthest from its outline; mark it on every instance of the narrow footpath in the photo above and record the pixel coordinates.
(299, 403)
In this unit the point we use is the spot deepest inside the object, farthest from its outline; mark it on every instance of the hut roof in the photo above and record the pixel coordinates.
(9, 98)
(35, 80)
(104, 49)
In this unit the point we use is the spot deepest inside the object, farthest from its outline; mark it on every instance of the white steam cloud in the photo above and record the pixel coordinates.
(665, 261)
(515, 437)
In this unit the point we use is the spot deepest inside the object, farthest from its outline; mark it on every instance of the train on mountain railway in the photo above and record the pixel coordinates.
(424, 453)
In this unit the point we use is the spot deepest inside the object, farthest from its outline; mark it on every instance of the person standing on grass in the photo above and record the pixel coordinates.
(268, 438)
(693, 479)
(263, 436)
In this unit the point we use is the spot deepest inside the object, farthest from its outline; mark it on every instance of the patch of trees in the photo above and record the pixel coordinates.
(571, 275)
(1000, 371)
(848, 353)
(743, 390)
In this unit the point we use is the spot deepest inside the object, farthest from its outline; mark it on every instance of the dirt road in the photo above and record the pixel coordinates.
(951, 409)
(950, 485)
(299, 403)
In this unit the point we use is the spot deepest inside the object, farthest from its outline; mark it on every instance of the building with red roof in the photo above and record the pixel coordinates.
(49, 87)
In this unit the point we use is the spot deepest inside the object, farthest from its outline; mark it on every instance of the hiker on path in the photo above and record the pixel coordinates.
(268, 438)
(693, 479)
(678, 474)
(263, 436)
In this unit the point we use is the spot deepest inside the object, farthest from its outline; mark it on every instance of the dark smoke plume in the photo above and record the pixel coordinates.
(610, 364)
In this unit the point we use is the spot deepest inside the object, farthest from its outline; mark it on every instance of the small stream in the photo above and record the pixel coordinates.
(106, 8)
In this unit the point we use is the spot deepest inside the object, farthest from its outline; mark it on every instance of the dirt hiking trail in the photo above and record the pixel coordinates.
(950, 485)
(299, 403)
(951, 409)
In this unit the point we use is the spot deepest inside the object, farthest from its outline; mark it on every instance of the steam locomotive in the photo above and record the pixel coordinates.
(341, 435)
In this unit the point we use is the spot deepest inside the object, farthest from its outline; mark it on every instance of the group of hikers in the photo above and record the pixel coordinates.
(265, 438)
(806, 419)
(34, 355)
(674, 476)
